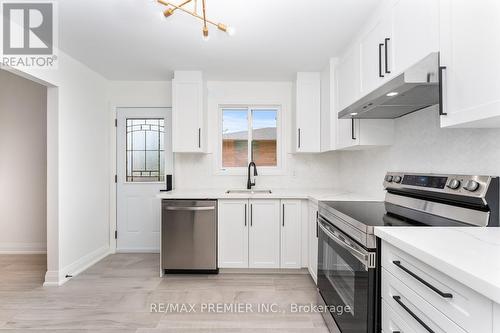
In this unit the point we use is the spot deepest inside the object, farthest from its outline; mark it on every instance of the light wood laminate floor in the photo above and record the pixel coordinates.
(116, 295)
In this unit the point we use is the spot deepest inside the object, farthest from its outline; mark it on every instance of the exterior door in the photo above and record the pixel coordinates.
(144, 157)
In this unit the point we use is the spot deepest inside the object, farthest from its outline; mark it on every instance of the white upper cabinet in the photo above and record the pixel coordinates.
(290, 233)
(374, 50)
(348, 78)
(187, 112)
(470, 51)
(307, 112)
(402, 32)
(415, 32)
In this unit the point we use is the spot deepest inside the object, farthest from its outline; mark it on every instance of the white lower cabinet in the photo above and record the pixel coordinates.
(312, 228)
(233, 233)
(264, 234)
(419, 298)
(290, 234)
(259, 233)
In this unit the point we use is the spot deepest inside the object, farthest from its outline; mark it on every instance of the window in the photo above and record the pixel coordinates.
(145, 150)
(250, 134)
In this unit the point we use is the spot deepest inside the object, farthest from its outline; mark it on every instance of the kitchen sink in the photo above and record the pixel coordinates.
(245, 191)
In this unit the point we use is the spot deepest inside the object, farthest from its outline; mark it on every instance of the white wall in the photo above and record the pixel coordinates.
(422, 146)
(78, 160)
(301, 171)
(23, 165)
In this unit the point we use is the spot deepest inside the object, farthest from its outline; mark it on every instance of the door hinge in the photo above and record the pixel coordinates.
(116, 234)
(116, 179)
(116, 122)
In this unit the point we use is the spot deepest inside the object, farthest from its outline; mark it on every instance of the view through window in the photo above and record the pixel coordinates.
(249, 134)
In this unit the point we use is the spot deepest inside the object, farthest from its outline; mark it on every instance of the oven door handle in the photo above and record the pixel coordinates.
(363, 257)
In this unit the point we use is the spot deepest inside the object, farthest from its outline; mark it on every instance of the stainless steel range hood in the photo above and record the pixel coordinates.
(413, 90)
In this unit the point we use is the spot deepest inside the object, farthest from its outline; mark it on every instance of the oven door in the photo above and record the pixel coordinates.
(346, 280)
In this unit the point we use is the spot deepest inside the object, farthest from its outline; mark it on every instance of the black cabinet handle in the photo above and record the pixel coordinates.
(411, 313)
(380, 60)
(245, 215)
(251, 215)
(283, 214)
(199, 137)
(387, 56)
(352, 129)
(299, 137)
(419, 279)
(440, 76)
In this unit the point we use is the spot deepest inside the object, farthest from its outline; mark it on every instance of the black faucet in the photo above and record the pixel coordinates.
(249, 182)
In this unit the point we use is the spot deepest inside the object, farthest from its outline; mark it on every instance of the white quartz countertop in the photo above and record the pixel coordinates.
(310, 194)
(470, 255)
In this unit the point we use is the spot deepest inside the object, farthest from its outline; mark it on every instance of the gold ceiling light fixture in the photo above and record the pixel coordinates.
(171, 8)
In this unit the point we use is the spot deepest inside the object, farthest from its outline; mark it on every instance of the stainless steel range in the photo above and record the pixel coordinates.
(348, 251)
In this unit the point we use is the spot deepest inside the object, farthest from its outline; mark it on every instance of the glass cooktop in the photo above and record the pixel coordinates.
(377, 213)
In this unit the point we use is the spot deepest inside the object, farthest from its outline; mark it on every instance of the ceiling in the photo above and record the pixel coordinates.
(131, 40)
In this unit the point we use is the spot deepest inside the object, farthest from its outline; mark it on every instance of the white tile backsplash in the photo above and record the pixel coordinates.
(422, 146)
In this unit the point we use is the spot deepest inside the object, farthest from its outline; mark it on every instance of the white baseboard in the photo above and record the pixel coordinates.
(264, 271)
(54, 278)
(138, 250)
(51, 279)
(23, 248)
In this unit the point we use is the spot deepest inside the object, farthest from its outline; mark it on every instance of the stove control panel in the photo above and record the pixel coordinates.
(466, 185)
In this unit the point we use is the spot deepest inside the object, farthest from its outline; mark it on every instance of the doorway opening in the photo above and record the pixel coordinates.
(23, 181)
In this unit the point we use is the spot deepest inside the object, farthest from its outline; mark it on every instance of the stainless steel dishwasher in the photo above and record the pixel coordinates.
(189, 236)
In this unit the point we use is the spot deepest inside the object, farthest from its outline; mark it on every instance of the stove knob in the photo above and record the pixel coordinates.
(454, 184)
(397, 179)
(471, 186)
(388, 178)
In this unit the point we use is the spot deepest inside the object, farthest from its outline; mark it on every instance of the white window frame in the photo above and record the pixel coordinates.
(262, 170)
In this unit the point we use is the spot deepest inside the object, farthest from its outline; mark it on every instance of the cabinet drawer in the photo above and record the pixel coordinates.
(414, 310)
(462, 305)
(392, 322)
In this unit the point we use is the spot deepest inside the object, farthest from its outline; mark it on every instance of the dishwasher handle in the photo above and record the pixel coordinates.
(189, 208)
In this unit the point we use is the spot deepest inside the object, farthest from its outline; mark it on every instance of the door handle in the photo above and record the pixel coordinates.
(352, 129)
(440, 75)
(189, 208)
(411, 313)
(245, 215)
(380, 60)
(387, 56)
(419, 279)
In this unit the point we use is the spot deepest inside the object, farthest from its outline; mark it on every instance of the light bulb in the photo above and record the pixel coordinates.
(231, 31)
(206, 36)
